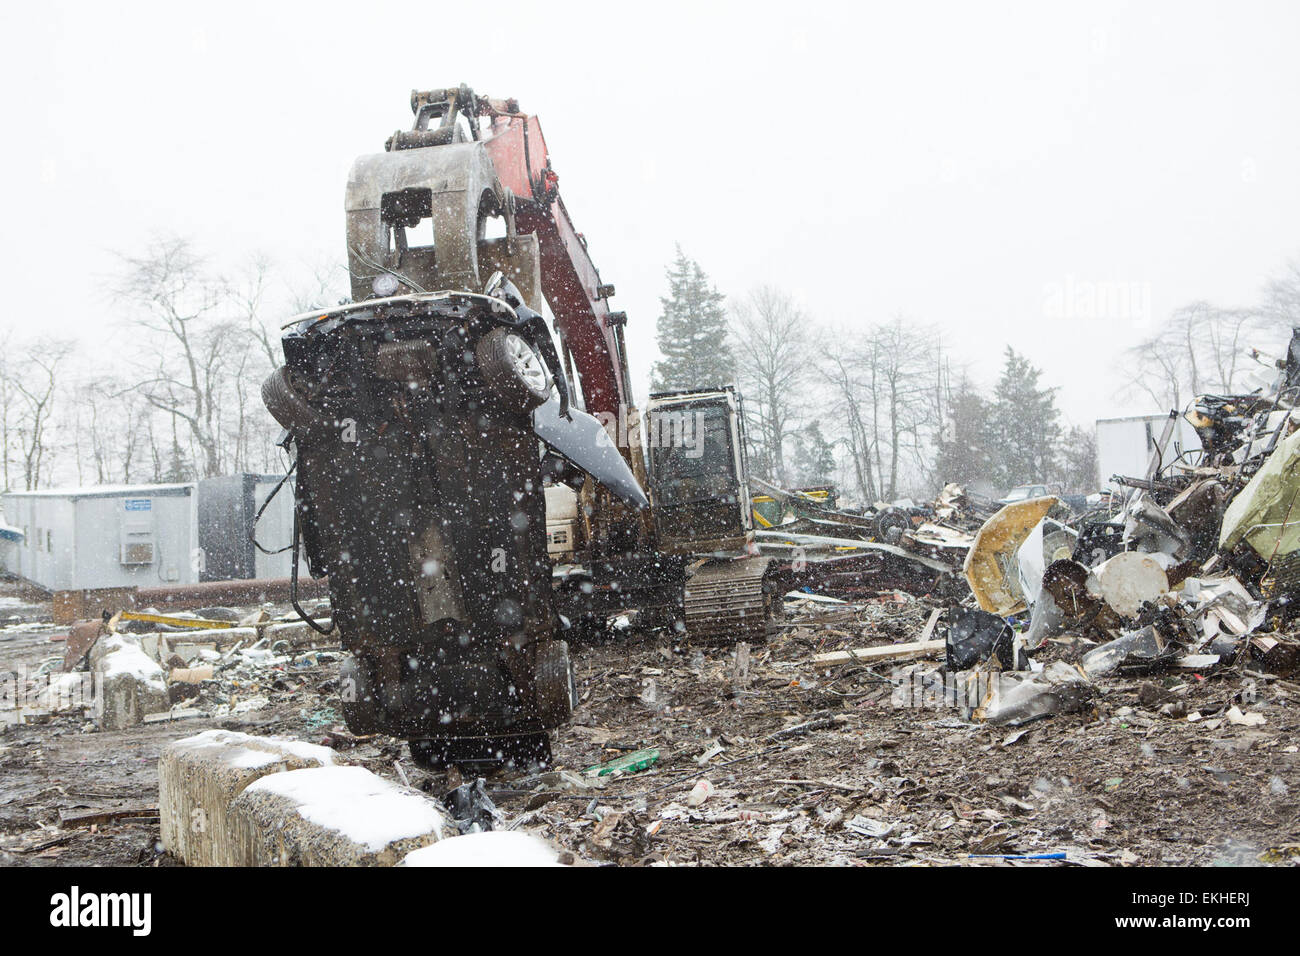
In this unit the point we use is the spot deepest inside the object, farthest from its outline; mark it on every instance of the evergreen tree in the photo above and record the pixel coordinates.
(1079, 461)
(692, 332)
(1026, 425)
(966, 440)
(178, 466)
(814, 459)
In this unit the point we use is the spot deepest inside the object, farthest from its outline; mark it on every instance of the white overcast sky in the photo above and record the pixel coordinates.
(951, 162)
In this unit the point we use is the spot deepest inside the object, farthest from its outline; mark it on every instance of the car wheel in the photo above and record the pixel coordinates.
(891, 524)
(284, 402)
(513, 369)
(556, 689)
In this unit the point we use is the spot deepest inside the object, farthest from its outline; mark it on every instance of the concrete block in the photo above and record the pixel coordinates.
(183, 642)
(493, 848)
(296, 633)
(199, 776)
(332, 816)
(133, 684)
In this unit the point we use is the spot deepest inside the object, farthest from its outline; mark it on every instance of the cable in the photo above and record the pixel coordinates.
(365, 260)
(293, 582)
(252, 534)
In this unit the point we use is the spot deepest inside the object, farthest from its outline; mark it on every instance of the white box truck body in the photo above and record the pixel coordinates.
(1124, 446)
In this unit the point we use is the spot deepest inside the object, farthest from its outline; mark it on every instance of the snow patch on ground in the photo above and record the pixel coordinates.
(366, 809)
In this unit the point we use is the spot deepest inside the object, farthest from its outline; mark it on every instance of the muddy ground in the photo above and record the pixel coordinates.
(865, 782)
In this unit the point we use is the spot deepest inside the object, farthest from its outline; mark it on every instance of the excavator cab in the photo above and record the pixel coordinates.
(695, 449)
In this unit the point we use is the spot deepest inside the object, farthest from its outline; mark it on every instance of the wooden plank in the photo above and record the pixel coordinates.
(195, 623)
(823, 784)
(928, 631)
(45, 844)
(168, 715)
(887, 652)
(100, 817)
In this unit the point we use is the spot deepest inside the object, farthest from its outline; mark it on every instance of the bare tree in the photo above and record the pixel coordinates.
(1281, 306)
(884, 398)
(195, 346)
(8, 404)
(771, 348)
(839, 369)
(322, 284)
(1156, 367)
(108, 432)
(35, 385)
(902, 356)
(1200, 348)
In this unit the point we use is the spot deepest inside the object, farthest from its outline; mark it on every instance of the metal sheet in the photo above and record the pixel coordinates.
(585, 442)
(815, 540)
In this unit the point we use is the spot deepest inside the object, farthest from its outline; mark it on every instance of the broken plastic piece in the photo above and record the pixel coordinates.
(1143, 646)
(1265, 515)
(1129, 580)
(628, 763)
(1058, 689)
(472, 809)
(976, 636)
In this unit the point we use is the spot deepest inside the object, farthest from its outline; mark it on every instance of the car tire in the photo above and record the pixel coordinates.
(554, 683)
(513, 369)
(285, 404)
(358, 697)
(892, 524)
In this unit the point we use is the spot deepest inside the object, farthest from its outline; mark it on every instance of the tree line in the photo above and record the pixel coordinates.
(885, 412)
(180, 396)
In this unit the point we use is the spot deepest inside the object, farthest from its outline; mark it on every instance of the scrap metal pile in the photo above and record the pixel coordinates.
(1197, 570)
(884, 548)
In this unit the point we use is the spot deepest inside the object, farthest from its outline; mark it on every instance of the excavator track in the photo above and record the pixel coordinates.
(725, 602)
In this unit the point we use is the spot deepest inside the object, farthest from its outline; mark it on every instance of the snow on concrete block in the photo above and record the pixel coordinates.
(199, 776)
(333, 816)
(133, 683)
(492, 848)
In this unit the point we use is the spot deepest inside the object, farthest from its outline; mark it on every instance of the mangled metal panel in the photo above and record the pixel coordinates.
(1266, 515)
(991, 567)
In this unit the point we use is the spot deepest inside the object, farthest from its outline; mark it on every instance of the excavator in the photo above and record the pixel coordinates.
(433, 419)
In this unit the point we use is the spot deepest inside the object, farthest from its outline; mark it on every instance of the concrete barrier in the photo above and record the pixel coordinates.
(133, 684)
(493, 848)
(296, 633)
(199, 776)
(331, 816)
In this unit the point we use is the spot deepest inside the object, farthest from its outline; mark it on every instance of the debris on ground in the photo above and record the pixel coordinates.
(992, 684)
